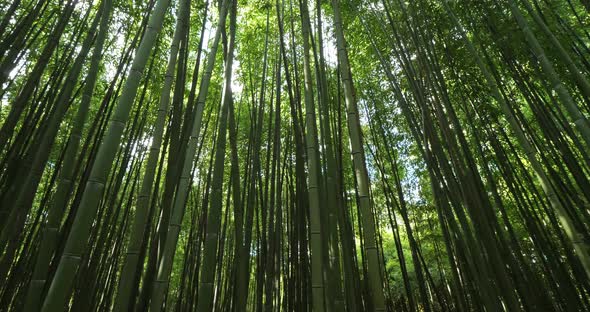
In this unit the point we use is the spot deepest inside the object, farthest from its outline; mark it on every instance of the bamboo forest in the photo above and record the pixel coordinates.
(295, 155)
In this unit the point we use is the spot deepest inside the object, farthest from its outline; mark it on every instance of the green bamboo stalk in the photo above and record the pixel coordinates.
(243, 242)
(358, 155)
(126, 282)
(317, 238)
(576, 117)
(59, 291)
(333, 198)
(210, 246)
(33, 167)
(580, 79)
(576, 238)
(165, 266)
(56, 209)
(18, 106)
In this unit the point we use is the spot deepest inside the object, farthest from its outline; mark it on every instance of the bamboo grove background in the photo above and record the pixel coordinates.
(295, 155)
